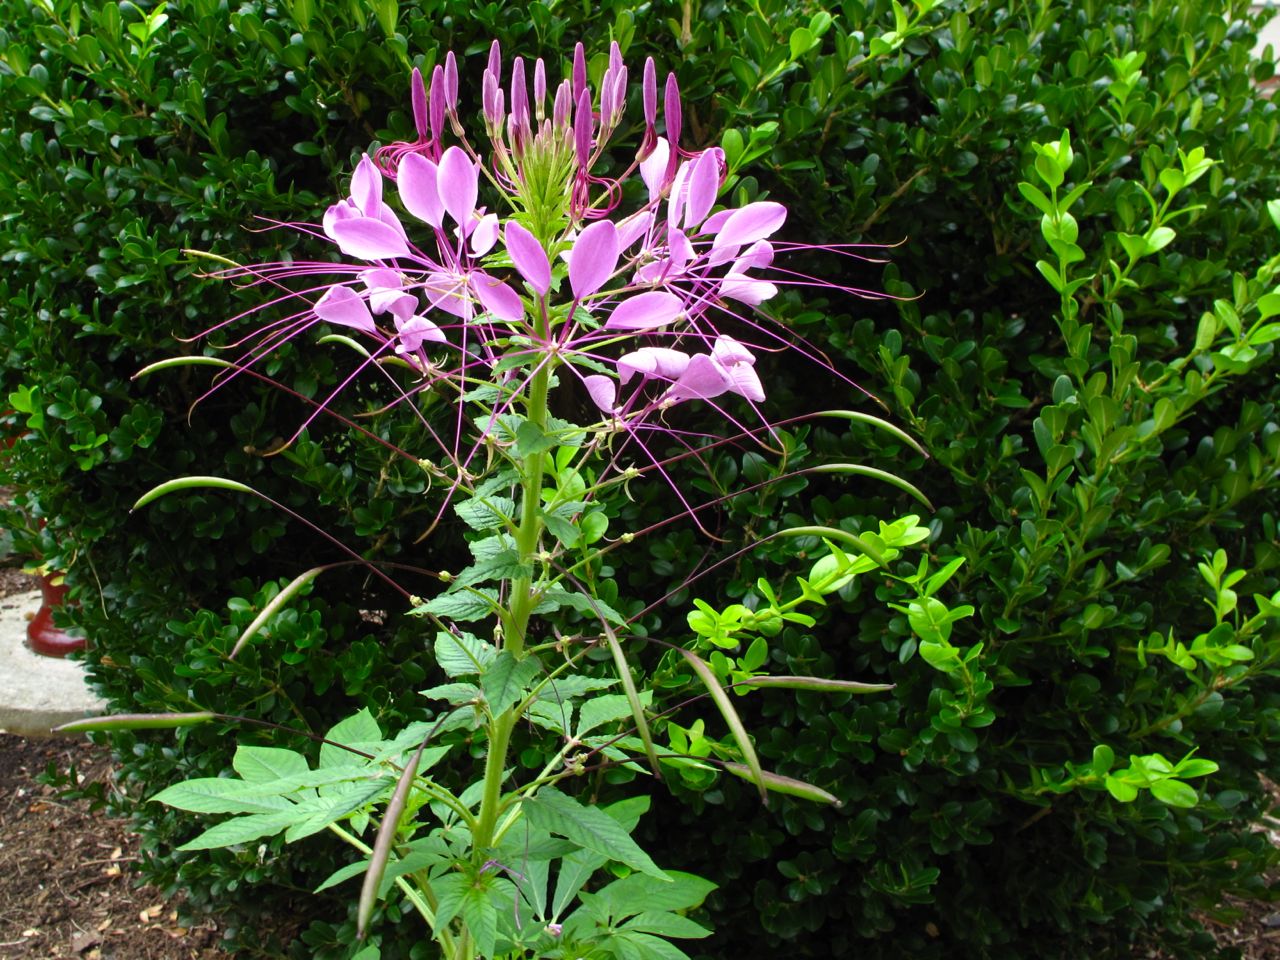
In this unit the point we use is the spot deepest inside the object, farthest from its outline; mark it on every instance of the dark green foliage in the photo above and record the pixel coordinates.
(118, 150)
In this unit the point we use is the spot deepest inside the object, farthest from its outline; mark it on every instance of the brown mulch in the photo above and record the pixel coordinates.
(66, 891)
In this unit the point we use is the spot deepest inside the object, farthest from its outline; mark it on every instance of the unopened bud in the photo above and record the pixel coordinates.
(649, 88)
(495, 59)
(418, 94)
(579, 70)
(450, 82)
(437, 103)
(539, 88)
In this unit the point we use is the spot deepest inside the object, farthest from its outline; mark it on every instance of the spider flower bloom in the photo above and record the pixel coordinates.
(506, 264)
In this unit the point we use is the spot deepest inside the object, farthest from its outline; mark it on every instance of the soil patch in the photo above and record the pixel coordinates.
(66, 889)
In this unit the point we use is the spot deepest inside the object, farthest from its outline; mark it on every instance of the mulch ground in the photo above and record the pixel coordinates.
(66, 889)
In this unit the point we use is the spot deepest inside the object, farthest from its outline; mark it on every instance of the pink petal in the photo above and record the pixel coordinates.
(445, 292)
(342, 210)
(346, 308)
(646, 311)
(366, 187)
(759, 254)
(753, 222)
(595, 255)
(603, 391)
(388, 216)
(496, 297)
(417, 179)
(653, 168)
(704, 184)
(459, 184)
(702, 379)
(529, 257)
(633, 228)
(368, 239)
(415, 331)
(485, 235)
(650, 362)
(680, 250)
(729, 351)
(714, 222)
(745, 289)
(743, 380)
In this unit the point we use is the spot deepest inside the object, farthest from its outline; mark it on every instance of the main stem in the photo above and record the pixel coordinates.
(522, 604)
(530, 529)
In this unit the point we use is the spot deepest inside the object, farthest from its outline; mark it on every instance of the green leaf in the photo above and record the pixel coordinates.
(1175, 793)
(638, 892)
(485, 513)
(463, 655)
(313, 815)
(601, 710)
(507, 680)
(588, 827)
(466, 605)
(241, 830)
(359, 730)
(218, 795)
(261, 764)
(481, 917)
(1122, 791)
(664, 924)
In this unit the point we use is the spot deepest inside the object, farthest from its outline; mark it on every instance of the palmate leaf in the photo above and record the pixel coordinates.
(313, 815)
(576, 868)
(589, 827)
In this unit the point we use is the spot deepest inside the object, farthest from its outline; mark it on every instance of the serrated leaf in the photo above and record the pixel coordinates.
(359, 730)
(481, 917)
(318, 813)
(589, 827)
(574, 685)
(218, 795)
(485, 513)
(588, 606)
(465, 606)
(463, 655)
(638, 893)
(531, 439)
(453, 693)
(507, 680)
(241, 830)
(601, 710)
(260, 764)
(505, 565)
(664, 924)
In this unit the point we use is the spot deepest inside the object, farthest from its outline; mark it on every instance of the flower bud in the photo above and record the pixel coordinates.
(579, 70)
(539, 88)
(437, 103)
(418, 93)
(450, 82)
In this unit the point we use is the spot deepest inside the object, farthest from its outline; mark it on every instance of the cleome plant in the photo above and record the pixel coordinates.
(475, 291)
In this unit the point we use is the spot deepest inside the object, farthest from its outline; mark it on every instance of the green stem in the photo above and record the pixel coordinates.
(494, 767)
(530, 529)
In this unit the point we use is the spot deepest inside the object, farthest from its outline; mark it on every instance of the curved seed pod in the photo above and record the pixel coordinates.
(788, 785)
(382, 845)
(726, 708)
(137, 721)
